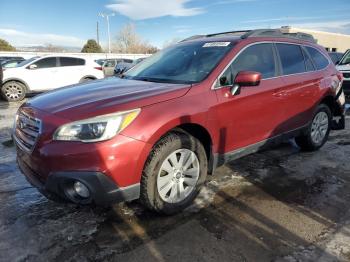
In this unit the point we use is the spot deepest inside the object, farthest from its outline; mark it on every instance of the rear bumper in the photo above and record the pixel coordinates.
(103, 191)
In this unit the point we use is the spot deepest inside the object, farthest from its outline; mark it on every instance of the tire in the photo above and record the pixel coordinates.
(13, 91)
(317, 132)
(186, 177)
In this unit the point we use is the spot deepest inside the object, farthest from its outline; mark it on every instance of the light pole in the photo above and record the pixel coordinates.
(103, 15)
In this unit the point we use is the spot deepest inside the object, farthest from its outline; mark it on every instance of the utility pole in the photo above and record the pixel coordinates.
(97, 34)
(103, 15)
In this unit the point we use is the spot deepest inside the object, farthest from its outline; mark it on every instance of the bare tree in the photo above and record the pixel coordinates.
(52, 48)
(128, 41)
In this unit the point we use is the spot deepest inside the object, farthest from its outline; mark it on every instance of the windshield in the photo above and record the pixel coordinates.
(345, 59)
(26, 62)
(182, 63)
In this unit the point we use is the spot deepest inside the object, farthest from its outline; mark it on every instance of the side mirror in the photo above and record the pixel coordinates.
(245, 78)
(248, 78)
(33, 66)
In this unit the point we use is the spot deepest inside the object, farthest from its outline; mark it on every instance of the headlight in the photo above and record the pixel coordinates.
(97, 128)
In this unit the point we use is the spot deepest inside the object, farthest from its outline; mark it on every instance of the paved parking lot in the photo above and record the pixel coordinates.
(277, 205)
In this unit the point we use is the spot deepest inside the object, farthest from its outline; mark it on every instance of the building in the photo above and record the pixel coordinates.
(333, 42)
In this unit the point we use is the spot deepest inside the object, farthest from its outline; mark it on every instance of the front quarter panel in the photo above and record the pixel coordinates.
(156, 120)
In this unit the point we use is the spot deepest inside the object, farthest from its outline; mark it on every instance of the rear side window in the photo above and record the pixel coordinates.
(319, 59)
(292, 59)
(71, 61)
(46, 62)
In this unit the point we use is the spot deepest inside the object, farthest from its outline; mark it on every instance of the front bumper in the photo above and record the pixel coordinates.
(103, 191)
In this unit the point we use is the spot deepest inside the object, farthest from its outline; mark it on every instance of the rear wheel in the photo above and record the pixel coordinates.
(174, 173)
(13, 91)
(318, 131)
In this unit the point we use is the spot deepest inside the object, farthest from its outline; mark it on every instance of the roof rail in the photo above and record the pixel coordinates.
(260, 33)
(215, 34)
(279, 33)
(240, 32)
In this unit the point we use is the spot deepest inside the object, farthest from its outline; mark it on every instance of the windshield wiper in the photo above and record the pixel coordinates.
(162, 80)
(150, 79)
(146, 79)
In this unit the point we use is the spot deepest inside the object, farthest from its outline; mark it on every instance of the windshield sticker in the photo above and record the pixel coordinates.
(212, 44)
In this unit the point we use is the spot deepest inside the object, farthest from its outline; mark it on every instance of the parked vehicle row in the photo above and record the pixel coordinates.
(124, 66)
(110, 64)
(335, 56)
(13, 62)
(6, 58)
(154, 134)
(344, 67)
(40, 74)
(1, 74)
(47, 73)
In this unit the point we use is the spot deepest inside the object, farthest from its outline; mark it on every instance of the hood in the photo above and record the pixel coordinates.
(105, 96)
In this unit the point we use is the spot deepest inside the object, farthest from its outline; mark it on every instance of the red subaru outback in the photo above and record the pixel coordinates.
(155, 133)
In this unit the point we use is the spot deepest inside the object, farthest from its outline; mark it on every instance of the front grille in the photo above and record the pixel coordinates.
(346, 75)
(27, 131)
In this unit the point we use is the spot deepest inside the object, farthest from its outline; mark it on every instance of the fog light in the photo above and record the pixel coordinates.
(81, 189)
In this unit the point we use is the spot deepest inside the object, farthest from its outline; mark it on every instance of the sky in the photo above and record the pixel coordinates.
(72, 22)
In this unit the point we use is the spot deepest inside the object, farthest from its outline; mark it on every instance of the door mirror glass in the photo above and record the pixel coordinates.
(248, 78)
(33, 66)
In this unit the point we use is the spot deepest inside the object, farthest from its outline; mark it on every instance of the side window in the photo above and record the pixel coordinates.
(292, 59)
(257, 58)
(308, 62)
(46, 62)
(319, 59)
(71, 61)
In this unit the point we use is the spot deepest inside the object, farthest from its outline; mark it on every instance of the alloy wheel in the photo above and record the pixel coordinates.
(319, 127)
(178, 176)
(13, 91)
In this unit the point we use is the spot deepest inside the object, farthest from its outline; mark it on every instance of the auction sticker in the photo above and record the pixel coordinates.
(212, 44)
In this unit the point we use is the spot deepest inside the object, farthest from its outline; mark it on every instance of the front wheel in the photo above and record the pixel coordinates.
(13, 91)
(174, 173)
(317, 133)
